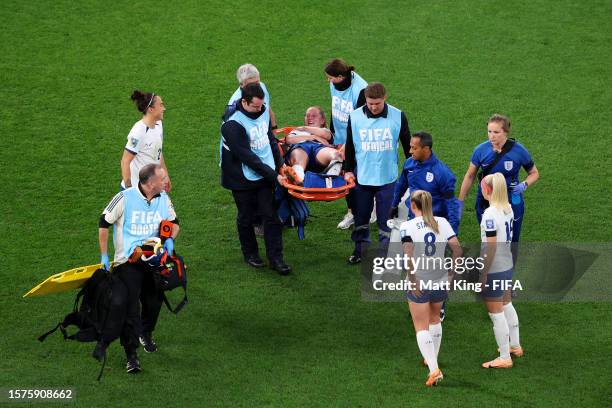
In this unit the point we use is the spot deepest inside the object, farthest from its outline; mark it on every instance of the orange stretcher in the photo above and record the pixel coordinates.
(306, 193)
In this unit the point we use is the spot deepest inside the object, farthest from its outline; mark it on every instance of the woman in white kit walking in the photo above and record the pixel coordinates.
(145, 140)
(424, 239)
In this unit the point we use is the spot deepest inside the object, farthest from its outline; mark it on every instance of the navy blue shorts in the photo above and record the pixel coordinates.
(311, 149)
(497, 283)
(433, 296)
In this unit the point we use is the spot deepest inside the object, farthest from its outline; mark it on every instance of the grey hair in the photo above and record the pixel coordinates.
(246, 71)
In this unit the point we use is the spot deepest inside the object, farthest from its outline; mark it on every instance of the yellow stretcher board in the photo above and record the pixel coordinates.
(65, 281)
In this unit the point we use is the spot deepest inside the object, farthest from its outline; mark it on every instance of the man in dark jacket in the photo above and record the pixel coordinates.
(250, 159)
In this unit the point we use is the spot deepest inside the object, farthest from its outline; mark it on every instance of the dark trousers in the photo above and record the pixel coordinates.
(150, 301)
(350, 199)
(141, 288)
(252, 202)
(363, 202)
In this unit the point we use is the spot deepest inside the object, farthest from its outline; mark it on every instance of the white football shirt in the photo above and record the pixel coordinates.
(146, 144)
(496, 223)
(429, 247)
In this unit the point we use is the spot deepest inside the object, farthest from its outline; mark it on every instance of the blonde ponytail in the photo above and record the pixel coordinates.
(422, 200)
(499, 193)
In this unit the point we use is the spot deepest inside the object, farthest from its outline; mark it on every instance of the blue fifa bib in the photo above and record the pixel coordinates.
(238, 95)
(257, 132)
(375, 141)
(343, 103)
(140, 219)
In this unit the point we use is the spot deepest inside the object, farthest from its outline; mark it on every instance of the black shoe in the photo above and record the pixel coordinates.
(280, 266)
(354, 259)
(147, 342)
(254, 261)
(100, 351)
(133, 365)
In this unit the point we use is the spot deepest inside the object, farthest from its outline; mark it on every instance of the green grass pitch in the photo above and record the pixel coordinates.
(253, 338)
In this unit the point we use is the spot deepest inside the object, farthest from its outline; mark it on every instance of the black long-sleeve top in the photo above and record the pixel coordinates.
(236, 150)
(343, 86)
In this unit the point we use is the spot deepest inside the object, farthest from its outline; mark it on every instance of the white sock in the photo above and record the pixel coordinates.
(436, 333)
(299, 170)
(502, 333)
(513, 324)
(426, 346)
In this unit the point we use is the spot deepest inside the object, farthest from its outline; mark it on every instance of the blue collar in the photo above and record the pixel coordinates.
(432, 159)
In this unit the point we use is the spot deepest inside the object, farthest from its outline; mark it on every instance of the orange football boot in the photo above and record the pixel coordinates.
(498, 363)
(434, 378)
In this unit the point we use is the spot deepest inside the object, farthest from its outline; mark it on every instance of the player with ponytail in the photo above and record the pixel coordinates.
(145, 140)
(424, 238)
(496, 232)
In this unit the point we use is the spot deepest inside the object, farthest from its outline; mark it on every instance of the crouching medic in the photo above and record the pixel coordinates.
(135, 214)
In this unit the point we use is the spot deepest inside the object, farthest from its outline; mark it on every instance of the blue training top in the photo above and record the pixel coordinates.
(509, 165)
(433, 176)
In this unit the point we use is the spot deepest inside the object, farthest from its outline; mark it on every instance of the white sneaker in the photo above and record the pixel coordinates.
(334, 168)
(347, 221)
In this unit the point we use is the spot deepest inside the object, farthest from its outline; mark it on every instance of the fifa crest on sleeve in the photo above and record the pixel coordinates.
(134, 141)
(429, 177)
(508, 164)
(489, 224)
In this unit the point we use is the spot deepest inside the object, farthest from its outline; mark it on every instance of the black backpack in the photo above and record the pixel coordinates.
(99, 310)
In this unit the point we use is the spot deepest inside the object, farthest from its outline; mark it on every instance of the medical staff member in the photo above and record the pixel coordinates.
(506, 156)
(425, 236)
(373, 133)
(249, 74)
(497, 234)
(250, 162)
(145, 140)
(424, 171)
(347, 93)
(135, 214)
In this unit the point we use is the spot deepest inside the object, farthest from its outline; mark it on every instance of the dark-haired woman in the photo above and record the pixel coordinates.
(145, 140)
(347, 94)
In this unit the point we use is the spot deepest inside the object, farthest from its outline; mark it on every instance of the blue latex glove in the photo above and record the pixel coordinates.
(520, 188)
(169, 246)
(105, 262)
